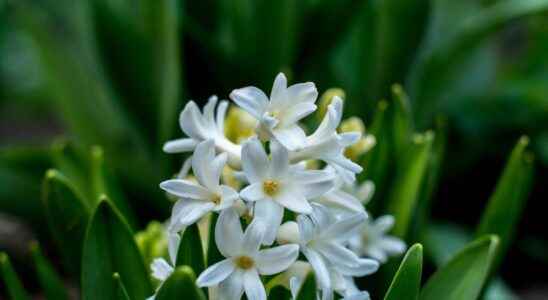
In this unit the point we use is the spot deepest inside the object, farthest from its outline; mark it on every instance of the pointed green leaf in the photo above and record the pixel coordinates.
(103, 183)
(121, 292)
(279, 293)
(67, 215)
(407, 281)
(50, 282)
(409, 178)
(11, 281)
(442, 241)
(191, 252)
(109, 247)
(308, 289)
(464, 276)
(506, 204)
(402, 131)
(181, 282)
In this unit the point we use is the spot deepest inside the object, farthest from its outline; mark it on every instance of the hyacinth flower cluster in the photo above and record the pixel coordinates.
(286, 200)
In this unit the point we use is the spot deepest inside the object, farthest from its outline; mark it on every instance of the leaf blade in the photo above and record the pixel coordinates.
(406, 282)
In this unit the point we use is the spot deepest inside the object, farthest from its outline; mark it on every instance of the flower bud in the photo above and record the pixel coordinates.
(239, 125)
(288, 233)
(326, 99)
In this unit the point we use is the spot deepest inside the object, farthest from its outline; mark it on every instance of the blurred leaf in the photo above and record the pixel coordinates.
(11, 281)
(19, 193)
(407, 281)
(410, 174)
(213, 254)
(191, 252)
(181, 282)
(67, 215)
(308, 288)
(402, 121)
(498, 290)
(103, 183)
(506, 204)
(442, 241)
(50, 282)
(109, 247)
(279, 293)
(121, 292)
(464, 276)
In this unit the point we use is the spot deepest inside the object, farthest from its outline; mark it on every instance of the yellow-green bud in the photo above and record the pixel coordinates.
(326, 99)
(239, 125)
(355, 124)
(152, 241)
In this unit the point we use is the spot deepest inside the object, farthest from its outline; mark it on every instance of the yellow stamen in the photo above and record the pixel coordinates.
(244, 262)
(216, 199)
(270, 187)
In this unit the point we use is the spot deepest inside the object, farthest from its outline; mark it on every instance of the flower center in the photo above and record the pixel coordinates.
(216, 199)
(244, 262)
(270, 187)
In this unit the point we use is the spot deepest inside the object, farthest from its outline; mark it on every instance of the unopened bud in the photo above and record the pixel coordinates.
(326, 99)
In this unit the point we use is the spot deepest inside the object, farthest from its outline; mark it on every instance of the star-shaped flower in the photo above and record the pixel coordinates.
(208, 195)
(244, 262)
(278, 116)
(274, 185)
(373, 241)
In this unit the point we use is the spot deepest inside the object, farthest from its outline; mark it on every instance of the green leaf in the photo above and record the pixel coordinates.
(120, 289)
(109, 247)
(407, 281)
(308, 289)
(402, 120)
(410, 174)
(464, 276)
(104, 183)
(181, 282)
(191, 252)
(67, 215)
(213, 254)
(279, 293)
(506, 204)
(442, 241)
(11, 281)
(50, 282)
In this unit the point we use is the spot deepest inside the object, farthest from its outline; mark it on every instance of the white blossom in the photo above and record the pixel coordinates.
(278, 116)
(197, 199)
(373, 241)
(275, 186)
(240, 271)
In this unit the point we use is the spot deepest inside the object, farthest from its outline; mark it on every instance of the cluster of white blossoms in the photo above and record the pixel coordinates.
(278, 168)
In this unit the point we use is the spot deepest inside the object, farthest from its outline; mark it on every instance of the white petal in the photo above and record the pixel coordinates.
(344, 229)
(253, 192)
(315, 183)
(187, 211)
(254, 160)
(250, 99)
(288, 233)
(278, 95)
(254, 288)
(216, 273)
(337, 254)
(173, 242)
(384, 224)
(228, 197)
(321, 217)
(295, 284)
(161, 269)
(253, 236)
(209, 113)
(293, 200)
(271, 214)
(319, 267)
(192, 122)
(220, 117)
(306, 228)
(392, 245)
(185, 189)
(366, 191)
(302, 92)
(202, 159)
(341, 199)
(280, 160)
(232, 288)
(277, 259)
(362, 295)
(377, 253)
(296, 112)
(180, 145)
(228, 233)
(364, 267)
(292, 137)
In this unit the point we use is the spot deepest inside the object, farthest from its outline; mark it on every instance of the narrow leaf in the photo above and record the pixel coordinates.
(191, 252)
(464, 276)
(410, 175)
(11, 281)
(407, 281)
(49, 280)
(109, 247)
(67, 215)
(121, 292)
(402, 120)
(308, 289)
(279, 293)
(181, 282)
(506, 204)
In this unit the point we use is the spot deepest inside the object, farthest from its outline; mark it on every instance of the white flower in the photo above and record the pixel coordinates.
(328, 145)
(373, 242)
(208, 195)
(244, 261)
(346, 287)
(278, 117)
(162, 269)
(322, 239)
(201, 127)
(274, 185)
(343, 198)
